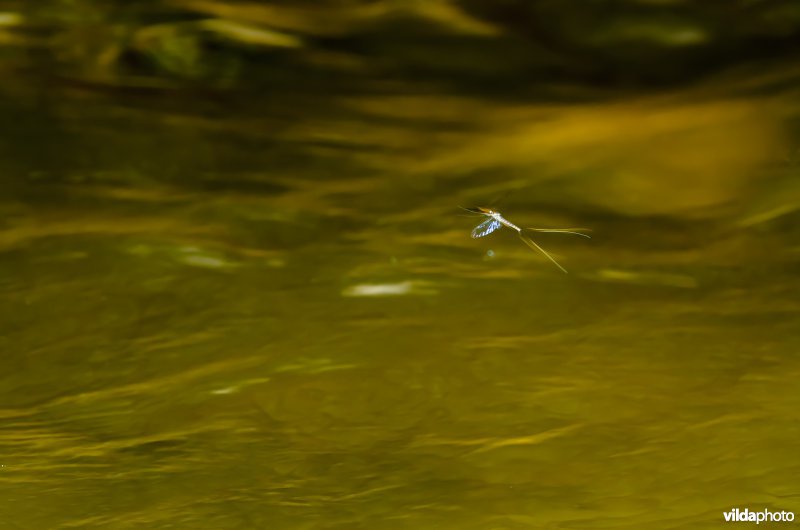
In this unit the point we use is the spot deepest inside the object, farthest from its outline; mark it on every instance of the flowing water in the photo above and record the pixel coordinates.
(230, 308)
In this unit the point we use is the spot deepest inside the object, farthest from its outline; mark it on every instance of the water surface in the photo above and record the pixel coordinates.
(225, 309)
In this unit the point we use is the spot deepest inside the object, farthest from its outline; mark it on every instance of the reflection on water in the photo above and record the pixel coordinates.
(231, 309)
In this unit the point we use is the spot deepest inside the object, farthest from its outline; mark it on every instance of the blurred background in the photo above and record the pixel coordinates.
(237, 290)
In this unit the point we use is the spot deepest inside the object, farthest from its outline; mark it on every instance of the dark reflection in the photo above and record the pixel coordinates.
(236, 289)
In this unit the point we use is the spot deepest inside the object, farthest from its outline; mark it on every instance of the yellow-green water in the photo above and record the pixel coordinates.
(228, 309)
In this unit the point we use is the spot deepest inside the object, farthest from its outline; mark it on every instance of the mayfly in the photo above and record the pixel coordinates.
(496, 220)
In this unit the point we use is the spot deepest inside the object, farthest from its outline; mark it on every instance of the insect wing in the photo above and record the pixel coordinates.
(486, 228)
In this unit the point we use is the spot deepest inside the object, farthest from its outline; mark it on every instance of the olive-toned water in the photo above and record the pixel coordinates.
(234, 304)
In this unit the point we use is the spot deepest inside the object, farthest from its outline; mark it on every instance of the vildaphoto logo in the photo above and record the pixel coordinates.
(746, 516)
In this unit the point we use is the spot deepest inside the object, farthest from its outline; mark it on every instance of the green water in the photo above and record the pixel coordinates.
(230, 306)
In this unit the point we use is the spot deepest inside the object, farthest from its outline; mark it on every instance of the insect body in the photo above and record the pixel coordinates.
(496, 220)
